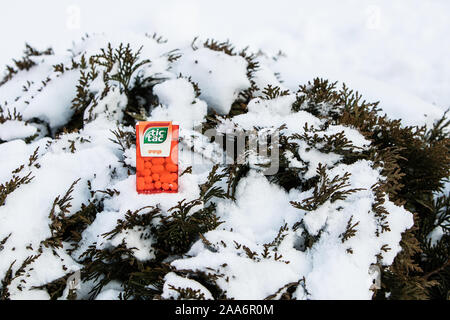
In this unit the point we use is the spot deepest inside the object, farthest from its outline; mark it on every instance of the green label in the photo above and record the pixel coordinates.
(155, 135)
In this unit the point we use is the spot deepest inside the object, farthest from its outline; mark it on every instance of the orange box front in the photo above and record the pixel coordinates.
(154, 173)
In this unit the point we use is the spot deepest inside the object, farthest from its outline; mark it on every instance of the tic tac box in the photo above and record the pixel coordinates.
(156, 157)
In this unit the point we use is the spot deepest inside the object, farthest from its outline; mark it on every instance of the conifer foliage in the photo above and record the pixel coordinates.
(416, 166)
(346, 176)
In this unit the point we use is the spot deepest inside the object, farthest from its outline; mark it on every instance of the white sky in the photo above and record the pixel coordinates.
(402, 43)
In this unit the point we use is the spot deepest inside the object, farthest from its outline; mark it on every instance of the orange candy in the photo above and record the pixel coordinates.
(140, 183)
(171, 167)
(173, 186)
(148, 179)
(166, 177)
(157, 168)
(139, 164)
(165, 186)
(157, 161)
(156, 174)
(169, 160)
(148, 165)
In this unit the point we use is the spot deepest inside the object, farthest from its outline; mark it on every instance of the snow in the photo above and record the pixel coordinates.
(182, 107)
(53, 104)
(30, 205)
(255, 219)
(373, 62)
(395, 101)
(314, 157)
(111, 291)
(14, 129)
(330, 272)
(13, 151)
(243, 275)
(111, 106)
(339, 273)
(436, 235)
(264, 117)
(220, 76)
(175, 281)
(362, 43)
(280, 106)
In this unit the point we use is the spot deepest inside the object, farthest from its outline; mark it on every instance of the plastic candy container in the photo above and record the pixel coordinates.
(156, 157)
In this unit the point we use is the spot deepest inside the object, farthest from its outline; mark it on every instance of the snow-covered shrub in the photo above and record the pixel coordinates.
(339, 208)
